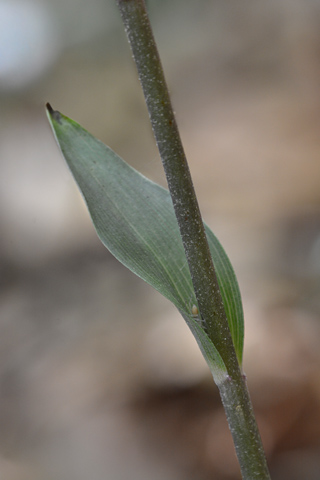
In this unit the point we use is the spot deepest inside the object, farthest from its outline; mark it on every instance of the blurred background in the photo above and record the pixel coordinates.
(99, 376)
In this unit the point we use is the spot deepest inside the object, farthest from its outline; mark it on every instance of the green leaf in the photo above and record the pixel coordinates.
(208, 350)
(230, 291)
(134, 219)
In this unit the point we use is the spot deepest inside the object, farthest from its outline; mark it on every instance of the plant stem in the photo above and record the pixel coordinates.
(233, 390)
(246, 437)
(178, 176)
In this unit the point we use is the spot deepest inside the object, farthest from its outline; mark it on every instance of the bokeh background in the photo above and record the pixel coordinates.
(99, 376)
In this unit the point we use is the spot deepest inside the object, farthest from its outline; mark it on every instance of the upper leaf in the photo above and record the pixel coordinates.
(135, 220)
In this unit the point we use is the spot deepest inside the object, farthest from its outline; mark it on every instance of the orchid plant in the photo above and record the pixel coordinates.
(160, 236)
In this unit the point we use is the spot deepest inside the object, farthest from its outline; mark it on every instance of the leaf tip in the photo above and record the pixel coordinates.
(54, 114)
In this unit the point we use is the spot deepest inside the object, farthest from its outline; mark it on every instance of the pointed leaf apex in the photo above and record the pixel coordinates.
(54, 114)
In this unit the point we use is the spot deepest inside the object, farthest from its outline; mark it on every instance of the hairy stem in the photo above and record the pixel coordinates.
(233, 390)
(246, 437)
(179, 180)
